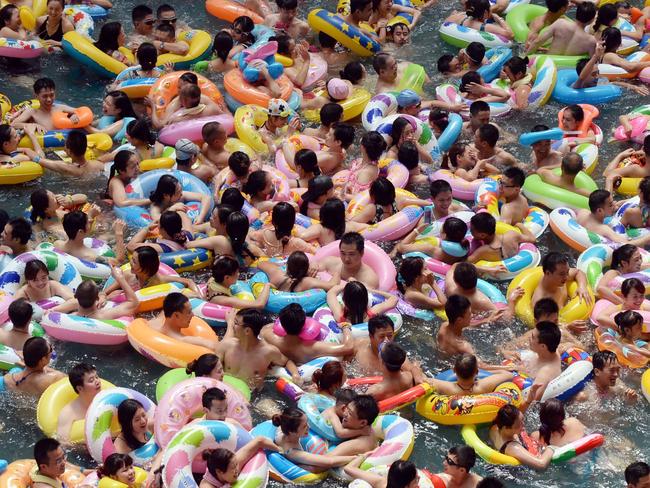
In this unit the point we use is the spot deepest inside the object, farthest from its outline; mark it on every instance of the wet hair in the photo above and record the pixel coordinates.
(478, 106)
(148, 259)
(224, 266)
(344, 133)
(439, 186)
(632, 284)
(367, 408)
(210, 131)
(166, 29)
(174, 302)
(455, 230)
(475, 51)
(489, 134)
(597, 199)
(612, 39)
(355, 300)
(5, 135)
(626, 320)
(572, 164)
(256, 182)
(108, 36)
(545, 307)
(548, 334)
(379, 322)
(189, 77)
(212, 394)
(284, 43)
(443, 63)
(393, 356)
(353, 238)
(21, 229)
(439, 118)
(191, 93)
(73, 222)
(113, 463)
(308, 161)
(239, 163)
(165, 7)
(217, 460)
(34, 350)
(283, 218)
(297, 268)
(506, 416)
(77, 373)
(20, 313)
(330, 113)
(223, 43)
(326, 41)
(623, 253)
(252, 319)
(6, 13)
(644, 187)
(353, 72)
(77, 142)
(607, 14)
(408, 155)
(33, 267)
(147, 56)
(466, 276)
(466, 365)
(490, 482)
(635, 471)
(555, 6)
(477, 8)
(600, 359)
(456, 307)
(552, 260)
(289, 420)
(223, 211)
(465, 456)
(121, 101)
(380, 61)
(87, 293)
(42, 450)
(450, 158)
(292, 318)
(585, 12)
(358, 5)
(232, 200)
(316, 188)
(39, 201)
(483, 222)
(139, 13)
(237, 229)
(551, 418)
(166, 187)
(140, 129)
(399, 125)
(203, 365)
(329, 376)
(245, 24)
(374, 144)
(467, 78)
(43, 84)
(517, 65)
(382, 191)
(172, 224)
(410, 269)
(401, 474)
(516, 175)
(125, 413)
(332, 216)
(4, 218)
(287, 4)
(344, 396)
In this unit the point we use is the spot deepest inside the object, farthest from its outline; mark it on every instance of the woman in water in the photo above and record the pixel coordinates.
(332, 225)
(38, 285)
(402, 132)
(111, 39)
(462, 161)
(279, 241)
(355, 308)
(476, 16)
(51, 27)
(119, 467)
(417, 284)
(261, 188)
(402, 474)
(298, 277)
(172, 236)
(10, 24)
(319, 189)
(625, 259)
(125, 168)
(206, 366)
(10, 153)
(118, 113)
(633, 298)
(555, 428)
(169, 195)
(225, 273)
(329, 379)
(384, 202)
(136, 428)
(48, 209)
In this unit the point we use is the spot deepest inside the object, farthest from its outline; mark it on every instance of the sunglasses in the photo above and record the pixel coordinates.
(168, 21)
(451, 462)
(149, 22)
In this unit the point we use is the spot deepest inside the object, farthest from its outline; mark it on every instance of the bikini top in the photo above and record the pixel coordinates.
(43, 34)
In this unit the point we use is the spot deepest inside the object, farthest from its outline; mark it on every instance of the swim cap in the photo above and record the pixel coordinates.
(338, 89)
(408, 98)
(185, 149)
(278, 107)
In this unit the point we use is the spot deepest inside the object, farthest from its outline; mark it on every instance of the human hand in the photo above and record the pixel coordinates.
(94, 211)
(516, 294)
(60, 199)
(119, 227)
(600, 49)
(193, 286)
(496, 315)
(578, 326)
(74, 118)
(631, 394)
(626, 153)
(641, 90)
(266, 443)
(585, 296)
(295, 123)
(475, 89)
(168, 67)
(459, 107)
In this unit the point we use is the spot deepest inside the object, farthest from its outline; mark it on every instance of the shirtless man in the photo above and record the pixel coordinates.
(466, 369)
(15, 236)
(190, 160)
(349, 264)
(360, 11)
(492, 246)
(457, 465)
(442, 199)
(286, 19)
(143, 21)
(191, 107)
(360, 413)
(338, 139)
(485, 142)
(215, 137)
(177, 315)
(557, 273)
(601, 206)
(479, 115)
(396, 379)
(543, 154)
(461, 279)
(556, 9)
(637, 475)
(330, 115)
(86, 384)
(77, 227)
(568, 37)
(245, 356)
(292, 319)
(570, 166)
(15, 334)
(76, 145)
(605, 384)
(37, 375)
(389, 71)
(41, 118)
(88, 302)
(515, 208)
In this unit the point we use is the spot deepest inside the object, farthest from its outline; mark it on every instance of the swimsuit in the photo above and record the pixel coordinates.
(352, 184)
(216, 290)
(379, 212)
(43, 34)
(214, 481)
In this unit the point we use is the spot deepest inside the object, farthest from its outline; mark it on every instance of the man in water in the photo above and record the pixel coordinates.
(466, 369)
(41, 118)
(543, 154)
(16, 235)
(605, 384)
(568, 37)
(557, 274)
(177, 315)
(457, 465)
(637, 475)
(571, 165)
(86, 384)
(50, 464)
(350, 264)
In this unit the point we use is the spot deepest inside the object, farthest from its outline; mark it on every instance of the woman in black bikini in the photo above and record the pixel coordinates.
(52, 26)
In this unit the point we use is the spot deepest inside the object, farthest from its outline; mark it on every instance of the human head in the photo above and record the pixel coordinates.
(454, 230)
(361, 9)
(306, 162)
(637, 475)
(478, 9)
(410, 270)
(50, 457)
(408, 155)
(511, 182)
(392, 356)
(629, 323)
(222, 464)
(20, 313)
(354, 72)
(459, 460)
(515, 68)
(222, 44)
(400, 32)
(385, 65)
(341, 136)
(380, 329)
(402, 131)
(448, 63)
(469, 78)
(132, 418)
(10, 17)
(361, 412)
(36, 352)
(147, 56)
(291, 421)
(75, 222)
(17, 232)
(214, 134)
(250, 321)
(509, 419)
(466, 365)
(572, 164)
(382, 191)
(84, 380)
(43, 203)
(479, 112)
(612, 38)
(166, 14)
(215, 404)
(572, 117)
(440, 191)
(283, 218)
(36, 274)
(87, 294)
(373, 145)
(402, 474)
(546, 309)
(9, 139)
(483, 226)
(546, 337)
(164, 33)
(408, 101)
(239, 163)
(45, 91)
(138, 132)
(555, 6)
(278, 111)
(606, 368)
(330, 377)
(606, 16)
(168, 190)
(355, 300)
(330, 114)
(337, 89)
(111, 37)
(118, 467)
(438, 120)
(177, 309)
(332, 216)
(551, 418)
(225, 270)
(644, 185)
(458, 309)
(351, 249)
(585, 12)
(475, 51)
(490, 482)
(189, 95)
(486, 136)
(292, 318)
(555, 266)
(145, 261)
(543, 146)
(633, 291)
(466, 276)
(186, 152)
(242, 28)
(237, 227)
(601, 203)
(259, 184)
(206, 365)
(115, 104)
(142, 17)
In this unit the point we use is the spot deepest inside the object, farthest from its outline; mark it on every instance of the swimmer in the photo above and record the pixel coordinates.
(360, 11)
(457, 465)
(298, 276)
(332, 224)
(462, 160)
(124, 169)
(169, 195)
(485, 142)
(629, 324)
(37, 375)
(305, 162)
(20, 315)
(520, 81)
(556, 9)
(329, 379)
(336, 90)
(279, 123)
(442, 199)
(236, 173)
(461, 279)
(213, 149)
(225, 273)
(86, 384)
(38, 285)
(570, 166)
(331, 51)
(473, 88)
(453, 231)
(111, 38)
(334, 415)
(190, 159)
(515, 207)
(557, 273)
(190, 106)
(41, 118)
(637, 475)
(247, 357)
(300, 351)
(12, 27)
(119, 468)
(384, 202)
(215, 406)
(206, 366)
(395, 379)
(50, 464)
(625, 259)
(319, 189)
(493, 247)
(332, 156)
(466, 368)
(350, 264)
(365, 170)
(51, 27)
(416, 283)
(355, 307)
(286, 20)
(389, 71)
(166, 42)
(555, 428)
(77, 228)
(172, 235)
(476, 16)
(143, 22)
(177, 315)
(117, 109)
(361, 412)
(401, 474)
(135, 427)
(330, 115)
(403, 131)
(543, 155)
(636, 167)
(366, 350)
(15, 236)
(605, 385)
(566, 36)
(260, 186)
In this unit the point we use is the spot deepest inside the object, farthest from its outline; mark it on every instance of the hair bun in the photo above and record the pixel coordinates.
(276, 420)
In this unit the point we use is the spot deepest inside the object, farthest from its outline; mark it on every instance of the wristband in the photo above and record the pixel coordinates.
(37, 159)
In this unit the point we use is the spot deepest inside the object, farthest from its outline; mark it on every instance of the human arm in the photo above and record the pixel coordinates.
(540, 462)
(588, 69)
(583, 285)
(298, 75)
(333, 301)
(499, 27)
(204, 203)
(389, 303)
(488, 93)
(320, 460)
(234, 302)
(183, 281)
(118, 195)
(354, 471)
(179, 47)
(421, 300)
(131, 304)
(640, 89)
(340, 431)
(246, 452)
(604, 291)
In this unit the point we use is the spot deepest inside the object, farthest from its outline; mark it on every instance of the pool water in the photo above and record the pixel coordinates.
(626, 426)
